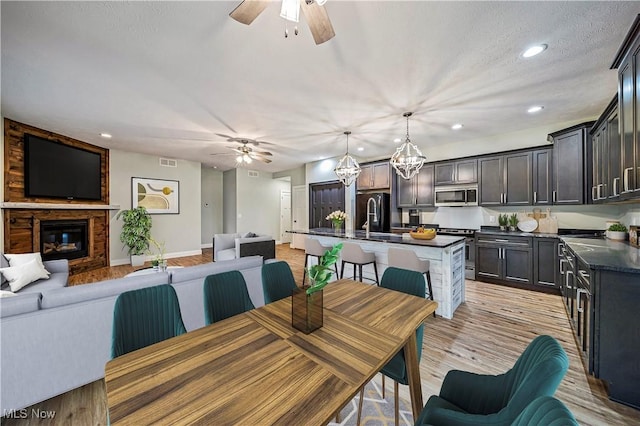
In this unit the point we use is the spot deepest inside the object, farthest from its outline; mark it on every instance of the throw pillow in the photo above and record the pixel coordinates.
(250, 235)
(20, 276)
(3, 264)
(5, 293)
(21, 259)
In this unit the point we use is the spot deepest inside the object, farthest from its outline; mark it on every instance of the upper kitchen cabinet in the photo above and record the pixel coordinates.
(542, 176)
(570, 159)
(417, 191)
(455, 172)
(606, 158)
(374, 176)
(627, 63)
(506, 180)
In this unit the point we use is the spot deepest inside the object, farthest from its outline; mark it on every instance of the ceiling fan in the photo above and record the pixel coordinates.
(245, 154)
(313, 10)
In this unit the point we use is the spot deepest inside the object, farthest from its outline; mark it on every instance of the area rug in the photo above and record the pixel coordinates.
(376, 411)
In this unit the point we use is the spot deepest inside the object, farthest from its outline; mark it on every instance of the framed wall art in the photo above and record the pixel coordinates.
(158, 196)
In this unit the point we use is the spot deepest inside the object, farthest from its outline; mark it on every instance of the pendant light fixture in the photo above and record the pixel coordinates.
(347, 168)
(408, 159)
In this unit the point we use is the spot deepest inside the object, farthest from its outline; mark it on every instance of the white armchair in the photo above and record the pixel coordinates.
(233, 246)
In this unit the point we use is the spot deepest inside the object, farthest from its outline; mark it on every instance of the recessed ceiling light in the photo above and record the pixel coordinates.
(397, 140)
(457, 126)
(534, 50)
(360, 148)
(106, 135)
(535, 109)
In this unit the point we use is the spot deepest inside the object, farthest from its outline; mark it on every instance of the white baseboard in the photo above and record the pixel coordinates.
(118, 262)
(208, 245)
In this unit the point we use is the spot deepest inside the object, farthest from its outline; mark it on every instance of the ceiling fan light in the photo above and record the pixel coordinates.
(290, 10)
(239, 159)
(408, 159)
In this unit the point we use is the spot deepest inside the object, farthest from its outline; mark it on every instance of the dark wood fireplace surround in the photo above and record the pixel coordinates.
(22, 225)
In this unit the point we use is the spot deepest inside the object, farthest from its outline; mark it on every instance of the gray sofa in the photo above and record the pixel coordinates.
(59, 339)
(235, 246)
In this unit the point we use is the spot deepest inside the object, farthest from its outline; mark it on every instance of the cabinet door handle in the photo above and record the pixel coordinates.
(616, 183)
(626, 179)
(562, 262)
(569, 272)
(554, 196)
(600, 193)
(593, 193)
(505, 198)
(535, 197)
(560, 248)
(579, 292)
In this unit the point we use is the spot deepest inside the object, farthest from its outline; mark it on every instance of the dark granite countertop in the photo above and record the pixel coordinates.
(580, 233)
(601, 253)
(440, 241)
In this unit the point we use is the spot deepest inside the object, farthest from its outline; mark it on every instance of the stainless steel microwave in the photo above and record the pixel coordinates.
(456, 196)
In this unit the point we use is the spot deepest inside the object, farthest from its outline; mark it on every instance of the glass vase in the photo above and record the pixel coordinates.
(337, 227)
(306, 310)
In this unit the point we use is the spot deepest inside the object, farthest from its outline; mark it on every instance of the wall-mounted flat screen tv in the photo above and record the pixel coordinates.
(56, 170)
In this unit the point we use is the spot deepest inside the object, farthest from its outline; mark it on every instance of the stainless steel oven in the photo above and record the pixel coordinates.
(453, 196)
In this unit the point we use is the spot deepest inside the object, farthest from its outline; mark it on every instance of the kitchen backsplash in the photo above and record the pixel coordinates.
(575, 217)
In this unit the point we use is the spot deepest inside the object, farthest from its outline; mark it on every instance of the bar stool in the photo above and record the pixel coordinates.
(352, 253)
(312, 247)
(408, 259)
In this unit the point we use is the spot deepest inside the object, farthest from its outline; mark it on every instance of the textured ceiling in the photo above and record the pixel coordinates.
(165, 77)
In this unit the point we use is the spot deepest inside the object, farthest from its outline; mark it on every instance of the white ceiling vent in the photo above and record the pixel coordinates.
(168, 162)
(253, 173)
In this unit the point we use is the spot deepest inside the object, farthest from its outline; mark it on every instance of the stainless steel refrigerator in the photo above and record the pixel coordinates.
(382, 222)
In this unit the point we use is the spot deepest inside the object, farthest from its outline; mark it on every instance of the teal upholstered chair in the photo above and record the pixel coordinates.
(409, 282)
(475, 399)
(545, 411)
(277, 281)
(225, 295)
(143, 317)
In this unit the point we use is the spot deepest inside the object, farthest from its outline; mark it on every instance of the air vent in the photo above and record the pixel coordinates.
(253, 173)
(168, 162)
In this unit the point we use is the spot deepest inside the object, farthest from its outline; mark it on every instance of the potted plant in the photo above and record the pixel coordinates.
(136, 233)
(307, 302)
(513, 222)
(337, 218)
(617, 231)
(503, 219)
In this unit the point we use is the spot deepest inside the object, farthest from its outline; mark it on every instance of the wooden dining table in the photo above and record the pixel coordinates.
(256, 369)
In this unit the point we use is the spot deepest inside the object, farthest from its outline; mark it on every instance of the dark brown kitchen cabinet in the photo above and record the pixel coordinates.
(506, 180)
(417, 191)
(615, 155)
(542, 165)
(504, 260)
(605, 153)
(570, 159)
(374, 176)
(627, 62)
(545, 263)
(455, 172)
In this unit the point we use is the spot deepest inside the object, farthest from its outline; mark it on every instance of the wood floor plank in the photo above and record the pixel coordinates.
(486, 335)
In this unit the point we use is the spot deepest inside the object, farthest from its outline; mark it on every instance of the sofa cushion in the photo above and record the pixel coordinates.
(85, 292)
(56, 280)
(202, 271)
(227, 254)
(24, 273)
(19, 304)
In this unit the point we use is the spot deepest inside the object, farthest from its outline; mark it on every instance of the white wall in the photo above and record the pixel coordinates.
(575, 217)
(180, 232)
(258, 202)
(2, 185)
(229, 199)
(210, 205)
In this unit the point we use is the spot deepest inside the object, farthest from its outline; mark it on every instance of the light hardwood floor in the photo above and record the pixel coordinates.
(486, 335)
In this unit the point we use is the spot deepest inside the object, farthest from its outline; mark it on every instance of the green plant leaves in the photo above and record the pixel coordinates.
(136, 229)
(320, 274)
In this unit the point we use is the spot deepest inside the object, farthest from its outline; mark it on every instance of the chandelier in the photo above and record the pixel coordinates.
(347, 168)
(408, 159)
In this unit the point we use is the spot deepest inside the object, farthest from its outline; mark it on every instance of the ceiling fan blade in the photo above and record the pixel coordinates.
(222, 135)
(248, 10)
(264, 160)
(318, 21)
(263, 153)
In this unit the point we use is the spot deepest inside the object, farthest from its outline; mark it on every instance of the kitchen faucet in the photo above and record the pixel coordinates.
(375, 214)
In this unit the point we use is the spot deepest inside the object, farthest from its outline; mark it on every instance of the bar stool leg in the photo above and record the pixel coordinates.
(430, 288)
(335, 265)
(354, 271)
(342, 269)
(375, 269)
(360, 271)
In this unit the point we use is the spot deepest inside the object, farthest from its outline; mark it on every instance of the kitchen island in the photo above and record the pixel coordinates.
(446, 254)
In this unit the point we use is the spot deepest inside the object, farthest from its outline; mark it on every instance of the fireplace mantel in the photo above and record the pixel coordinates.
(52, 206)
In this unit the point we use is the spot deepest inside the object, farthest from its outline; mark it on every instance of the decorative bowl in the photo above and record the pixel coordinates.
(529, 225)
(423, 235)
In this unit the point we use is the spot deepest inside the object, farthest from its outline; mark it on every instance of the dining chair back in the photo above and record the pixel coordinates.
(143, 317)
(546, 411)
(225, 295)
(498, 400)
(277, 281)
(408, 259)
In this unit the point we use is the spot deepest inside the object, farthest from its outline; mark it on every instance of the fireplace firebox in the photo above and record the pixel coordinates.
(63, 239)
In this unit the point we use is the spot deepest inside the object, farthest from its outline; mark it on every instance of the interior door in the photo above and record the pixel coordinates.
(285, 216)
(323, 199)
